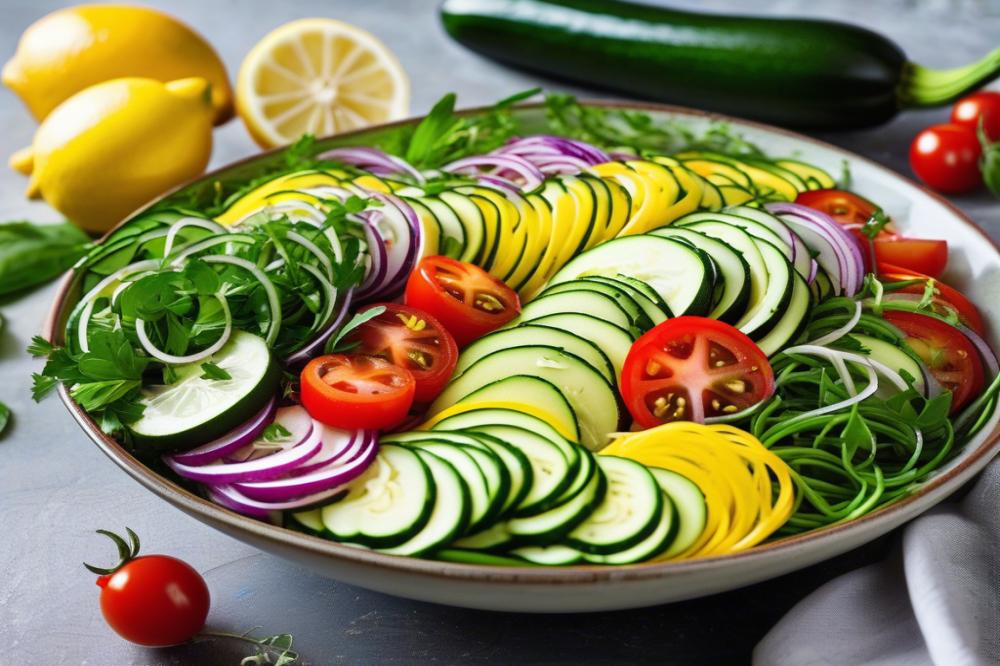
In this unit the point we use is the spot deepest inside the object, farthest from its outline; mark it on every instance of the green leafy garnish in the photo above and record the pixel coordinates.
(275, 432)
(105, 380)
(212, 371)
(989, 163)
(32, 254)
(334, 346)
(4, 417)
(638, 131)
(442, 136)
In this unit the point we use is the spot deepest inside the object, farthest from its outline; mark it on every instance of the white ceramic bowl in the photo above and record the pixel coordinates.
(974, 267)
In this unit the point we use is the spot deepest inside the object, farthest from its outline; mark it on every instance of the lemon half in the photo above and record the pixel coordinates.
(319, 76)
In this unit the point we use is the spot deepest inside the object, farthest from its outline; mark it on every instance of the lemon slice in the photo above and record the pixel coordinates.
(319, 76)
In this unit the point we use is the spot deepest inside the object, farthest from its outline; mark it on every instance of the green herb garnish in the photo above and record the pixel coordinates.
(212, 371)
(275, 432)
(334, 346)
(32, 254)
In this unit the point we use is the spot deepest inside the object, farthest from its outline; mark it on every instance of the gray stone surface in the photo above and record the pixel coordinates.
(56, 487)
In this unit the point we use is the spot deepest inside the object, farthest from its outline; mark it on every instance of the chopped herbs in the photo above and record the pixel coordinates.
(212, 371)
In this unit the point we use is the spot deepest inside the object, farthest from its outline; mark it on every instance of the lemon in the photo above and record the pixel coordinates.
(71, 49)
(319, 76)
(112, 147)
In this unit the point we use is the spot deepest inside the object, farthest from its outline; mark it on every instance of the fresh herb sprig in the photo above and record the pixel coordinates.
(105, 381)
(637, 131)
(32, 254)
(337, 344)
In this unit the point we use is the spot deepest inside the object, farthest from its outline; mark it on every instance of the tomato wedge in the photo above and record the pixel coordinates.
(356, 392)
(690, 368)
(946, 295)
(467, 300)
(853, 211)
(949, 355)
(915, 254)
(411, 339)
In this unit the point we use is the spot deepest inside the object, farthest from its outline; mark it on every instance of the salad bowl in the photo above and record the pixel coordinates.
(974, 268)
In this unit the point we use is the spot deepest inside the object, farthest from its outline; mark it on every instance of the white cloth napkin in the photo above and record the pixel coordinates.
(935, 601)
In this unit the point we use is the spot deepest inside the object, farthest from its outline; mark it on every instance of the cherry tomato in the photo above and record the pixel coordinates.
(467, 300)
(689, 368)
(984, 105)
(847, 208)
(949, 296)
(411, 339)
(153, 600)
(356, 391)
(946, 157)
(915, 254)
(949, 355)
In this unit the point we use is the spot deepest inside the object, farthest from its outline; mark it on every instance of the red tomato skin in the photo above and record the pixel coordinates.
(465, 323)
(636, 360)
(944, 337)
(338, 409)
(920, 255)
(429, 383)
(967, 311)
(946, 157)
(984, 105)
(155, 600)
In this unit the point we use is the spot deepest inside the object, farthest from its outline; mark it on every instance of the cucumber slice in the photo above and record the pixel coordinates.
(733, 272)
(743, 243)
(631, 510)
(593, 399)
(529, 390)
(551, 471)
(452, 232)
(489, 539)
(462, 556)
(689, 502)
(791, 322)
(636, 314)
(550, 526)
(552, 556)
(473, 225)
(193, 411)
(449, 516)
(526, 335)
(894, 357)
(657, 542)
(387, 505)
(483, 503)
(655, 307)
(780, 281)
(800, 256)
(676, 271)
(615, 342)
(311, 520)
(585, 302)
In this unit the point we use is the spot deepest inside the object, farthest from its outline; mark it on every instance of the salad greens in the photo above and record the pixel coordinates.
(32, 254)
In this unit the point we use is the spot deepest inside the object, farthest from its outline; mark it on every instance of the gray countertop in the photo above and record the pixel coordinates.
(56, 487)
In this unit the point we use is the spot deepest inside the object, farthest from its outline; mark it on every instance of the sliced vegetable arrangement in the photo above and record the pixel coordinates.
(531, 350)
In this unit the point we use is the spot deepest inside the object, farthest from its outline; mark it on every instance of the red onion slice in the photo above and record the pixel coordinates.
(338, 446)
(232, 441)
(309, 350)
(372, 159)
(325, 478)
(529, 174)
(258, 469)
(231, 498)
(839, 252)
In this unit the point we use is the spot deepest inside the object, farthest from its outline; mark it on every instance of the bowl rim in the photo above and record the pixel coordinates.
(587, 574)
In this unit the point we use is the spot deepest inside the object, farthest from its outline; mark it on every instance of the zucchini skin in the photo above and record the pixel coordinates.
(792, 72)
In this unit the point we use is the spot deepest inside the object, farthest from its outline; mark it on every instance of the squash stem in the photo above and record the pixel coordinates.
(922, 86)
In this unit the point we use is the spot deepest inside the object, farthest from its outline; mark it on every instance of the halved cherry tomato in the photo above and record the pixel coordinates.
(847, 208)
(467, 300)
(946, 157)
(914, 254)
(949, 355)
(853, 211)
(950, 296)
(689, 368)
(983, 106)
(411, 339)
(355, 391)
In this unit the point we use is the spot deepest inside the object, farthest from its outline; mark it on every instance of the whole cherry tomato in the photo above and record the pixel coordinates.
(983, 106)
(946, 157)
(153, 600)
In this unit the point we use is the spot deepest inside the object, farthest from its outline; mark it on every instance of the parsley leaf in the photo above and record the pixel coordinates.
(32, 254)
(275, 433)
(212, 371)
(333, 345)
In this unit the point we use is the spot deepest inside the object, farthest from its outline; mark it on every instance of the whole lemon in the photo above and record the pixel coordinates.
(70, 49)
(109, 149)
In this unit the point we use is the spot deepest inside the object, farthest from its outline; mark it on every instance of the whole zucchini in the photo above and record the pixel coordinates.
(793, 72)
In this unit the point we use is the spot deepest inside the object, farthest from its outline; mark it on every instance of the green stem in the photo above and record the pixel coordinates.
(922, 86)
